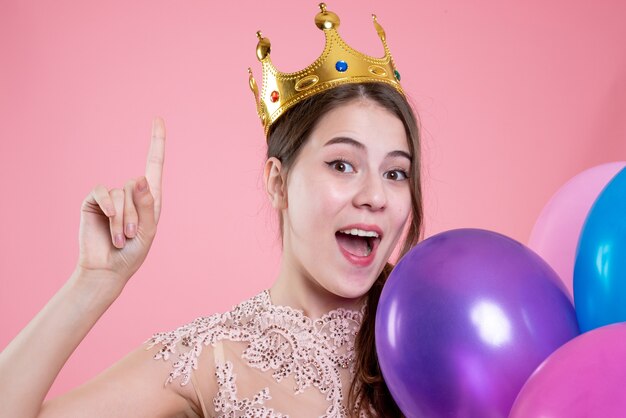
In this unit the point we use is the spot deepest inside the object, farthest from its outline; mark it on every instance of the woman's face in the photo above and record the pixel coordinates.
(348, 198)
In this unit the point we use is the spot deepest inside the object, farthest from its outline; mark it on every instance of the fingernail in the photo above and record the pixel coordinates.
(130, 230)
(157, 127)
(119, 240)
(142, 184)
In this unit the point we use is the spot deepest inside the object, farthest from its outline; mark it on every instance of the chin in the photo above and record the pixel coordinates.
(352, 290)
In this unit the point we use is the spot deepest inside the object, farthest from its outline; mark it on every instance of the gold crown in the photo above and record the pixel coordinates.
(338, 64)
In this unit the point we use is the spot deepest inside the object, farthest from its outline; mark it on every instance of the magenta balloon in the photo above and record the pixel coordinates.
(463, 321)
(584, 378)
(557, 229)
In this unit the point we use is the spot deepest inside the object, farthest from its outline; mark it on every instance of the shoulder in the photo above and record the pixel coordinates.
(186, 345)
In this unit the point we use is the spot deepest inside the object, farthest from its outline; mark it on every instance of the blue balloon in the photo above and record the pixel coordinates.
(600, 267)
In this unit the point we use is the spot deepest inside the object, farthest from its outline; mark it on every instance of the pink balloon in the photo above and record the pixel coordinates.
(557, 229)
(585, 377)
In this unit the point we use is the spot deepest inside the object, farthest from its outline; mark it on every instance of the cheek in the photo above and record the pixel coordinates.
(313, 200)
(403, 208)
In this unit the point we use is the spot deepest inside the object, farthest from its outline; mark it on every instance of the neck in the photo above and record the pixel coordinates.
(298, 290)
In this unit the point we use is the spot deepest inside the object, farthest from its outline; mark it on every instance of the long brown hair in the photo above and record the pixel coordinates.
(368, 391)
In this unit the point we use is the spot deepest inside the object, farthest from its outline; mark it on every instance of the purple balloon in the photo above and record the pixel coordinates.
(464, 319)
(584, 378)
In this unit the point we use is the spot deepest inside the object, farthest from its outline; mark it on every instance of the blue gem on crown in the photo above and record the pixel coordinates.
(341, 66)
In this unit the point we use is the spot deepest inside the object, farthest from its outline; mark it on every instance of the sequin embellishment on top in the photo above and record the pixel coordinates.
(284, 357)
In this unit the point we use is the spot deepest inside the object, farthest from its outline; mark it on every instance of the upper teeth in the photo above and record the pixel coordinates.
(360, 232)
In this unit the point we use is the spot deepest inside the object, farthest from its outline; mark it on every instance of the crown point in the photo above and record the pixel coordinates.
(325, 19)
(263, 47)
(379, 29)
(252, 84)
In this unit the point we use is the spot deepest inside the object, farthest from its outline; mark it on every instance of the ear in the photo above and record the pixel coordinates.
(275, 184)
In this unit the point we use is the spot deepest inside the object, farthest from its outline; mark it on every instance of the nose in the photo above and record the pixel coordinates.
(371, 193)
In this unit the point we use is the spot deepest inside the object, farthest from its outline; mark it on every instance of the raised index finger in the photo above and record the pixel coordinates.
(154, 165)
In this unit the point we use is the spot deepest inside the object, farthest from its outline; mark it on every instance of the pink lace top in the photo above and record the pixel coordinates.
(263, 360)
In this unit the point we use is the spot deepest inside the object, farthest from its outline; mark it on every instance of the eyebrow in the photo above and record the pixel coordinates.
(357, 144)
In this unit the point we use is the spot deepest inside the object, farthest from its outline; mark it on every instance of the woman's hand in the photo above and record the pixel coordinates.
(117, 226)
(104, 265)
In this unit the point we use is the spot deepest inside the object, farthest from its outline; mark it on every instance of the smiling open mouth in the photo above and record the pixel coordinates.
(358, 242)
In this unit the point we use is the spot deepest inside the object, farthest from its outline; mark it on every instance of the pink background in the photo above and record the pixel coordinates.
(515, 98)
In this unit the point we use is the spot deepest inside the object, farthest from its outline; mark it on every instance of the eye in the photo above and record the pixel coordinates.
(341, 165)
(396, 175)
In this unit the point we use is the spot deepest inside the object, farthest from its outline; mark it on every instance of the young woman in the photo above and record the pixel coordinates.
(343, 173)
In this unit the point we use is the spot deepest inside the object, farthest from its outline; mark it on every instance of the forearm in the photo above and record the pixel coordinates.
(31, 362)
